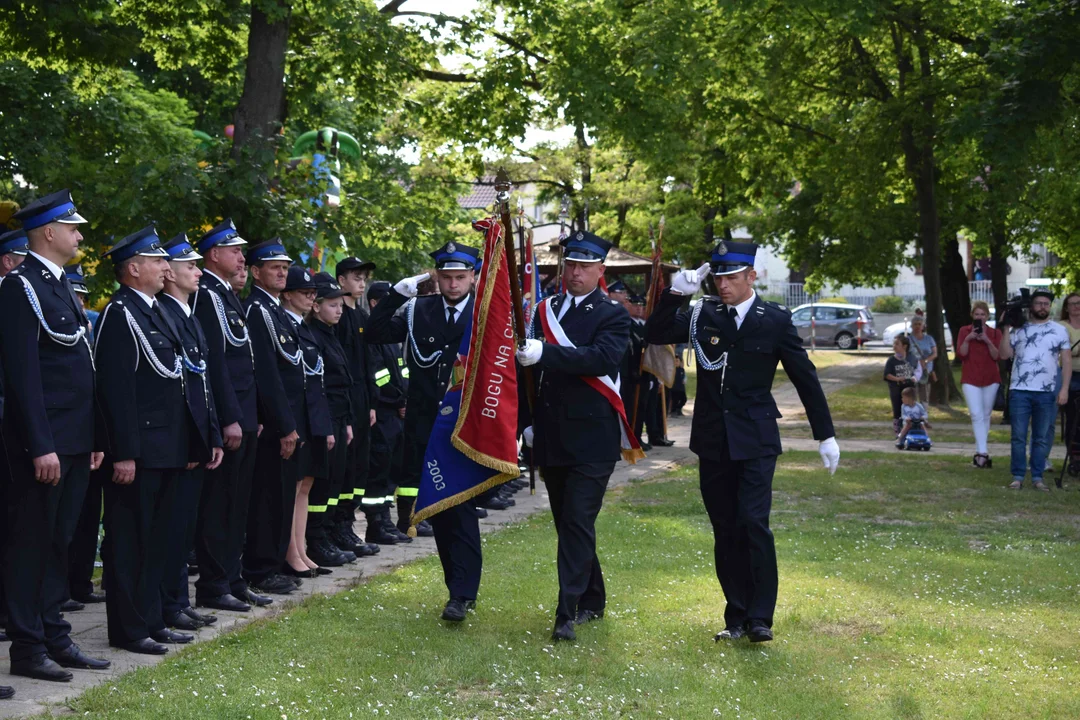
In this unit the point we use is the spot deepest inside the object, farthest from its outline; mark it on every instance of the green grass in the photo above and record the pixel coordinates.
(951, 433)
(869, 400)
(910, 588)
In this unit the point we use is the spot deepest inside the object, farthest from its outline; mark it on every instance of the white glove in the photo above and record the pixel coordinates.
(408, 286)
(527, 434)
(688, 282)
(530, 354)
(830, 454)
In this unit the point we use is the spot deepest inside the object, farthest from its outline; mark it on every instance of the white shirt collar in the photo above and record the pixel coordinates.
(146, 298)
(183, 305)
(277, 301)
(214, 275)
(458, 306)
(294, 316)
(55, 269)
(744, 307)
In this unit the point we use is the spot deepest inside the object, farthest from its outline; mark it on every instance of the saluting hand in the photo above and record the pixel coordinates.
(216, 456)
(47, 469)
(288, 445)
(688, 282)
(123, 472)
(232, 435)
(408, 286)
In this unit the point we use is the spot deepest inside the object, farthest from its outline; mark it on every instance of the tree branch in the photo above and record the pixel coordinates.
(793, 125)
(447, 77)
(868, 63)
(391, 8)
(440, 17)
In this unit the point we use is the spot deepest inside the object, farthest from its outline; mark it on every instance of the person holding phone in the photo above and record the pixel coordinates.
(980, 376)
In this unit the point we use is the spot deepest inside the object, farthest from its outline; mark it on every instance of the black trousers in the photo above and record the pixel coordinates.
(83, 550)
(5, 480)
(577, 493)
(222, 522)
(738, 498)
(135, 550)
(648, 400)
(356, 473)
(40, 522)
(269, 521)
(174, 586)
(387, 440)
(326, 489)
(457, 537)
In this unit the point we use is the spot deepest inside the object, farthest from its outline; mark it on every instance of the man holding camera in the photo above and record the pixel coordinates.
(1035, 344)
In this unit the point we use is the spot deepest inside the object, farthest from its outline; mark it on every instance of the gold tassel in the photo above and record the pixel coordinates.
(412, 531)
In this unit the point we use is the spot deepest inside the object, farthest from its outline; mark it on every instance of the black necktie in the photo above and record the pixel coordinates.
(450, 316)
(573, 304)
(75, 299)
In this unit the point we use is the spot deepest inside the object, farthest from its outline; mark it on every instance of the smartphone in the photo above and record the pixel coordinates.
(977, 325)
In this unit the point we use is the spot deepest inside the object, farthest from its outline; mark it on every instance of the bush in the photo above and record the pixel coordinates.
(834, 299)
(888, 304)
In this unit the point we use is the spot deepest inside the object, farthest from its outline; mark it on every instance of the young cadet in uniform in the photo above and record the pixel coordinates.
(226, 492)
(181, 283)
(281, 383)
(13, 246)
(48, 434)
(140, 363)
(433, 326)
(352, 275)
(312, 454)
(337, 384)
(739, 338)
(387, 435)
(577, 433)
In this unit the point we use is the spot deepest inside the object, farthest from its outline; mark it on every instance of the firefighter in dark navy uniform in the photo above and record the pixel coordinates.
(141, 391)
(226, 492)
(48, 435)
(181, 284)
(432, 327)
(576, 431)
(739, 339)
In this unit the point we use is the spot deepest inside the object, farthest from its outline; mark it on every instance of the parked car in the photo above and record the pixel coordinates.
(905, 327)
(834, 324)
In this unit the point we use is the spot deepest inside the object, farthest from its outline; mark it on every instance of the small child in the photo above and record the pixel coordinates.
(912, 413)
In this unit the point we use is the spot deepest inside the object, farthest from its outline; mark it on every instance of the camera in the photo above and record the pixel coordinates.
(1016, 309)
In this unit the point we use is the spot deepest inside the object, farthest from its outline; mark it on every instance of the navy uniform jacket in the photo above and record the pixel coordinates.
(49, 386)
(234, 391)
(146, 415)
(351, 332)
(337, 381)
(200, 396)
(280, 383)
(736, 406)
(572, 422)
(315, 405)
(427, 386)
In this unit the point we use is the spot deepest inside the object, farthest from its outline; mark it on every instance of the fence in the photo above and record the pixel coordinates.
(913, 293)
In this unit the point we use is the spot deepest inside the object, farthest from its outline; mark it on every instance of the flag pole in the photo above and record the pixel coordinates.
(650, 303)
(502, 197)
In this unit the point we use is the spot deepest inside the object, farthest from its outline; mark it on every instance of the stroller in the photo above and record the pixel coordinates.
(916, 439)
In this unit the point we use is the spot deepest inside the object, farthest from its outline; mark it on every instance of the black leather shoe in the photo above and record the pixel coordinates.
(281, 579)
(365, 549)
(289, 571)
(90, 598)
(584, 616)
(480, 512)
(662, 442)
(730, 633)
(349, 555)
(564, 630)
(376, 533)
(6, 692)
(456, 609)
(323, 554)
(323, 571)
(199, 617)
(73, 657)
(71, 606)
(759, 632)
(424, 529)
(343, 541)
(270, 587)
(168, 636)
(40, 667)
(146, 646)
(180, 621)
(223, 602)
(401, 532)
(256, 599)
(496, 503)
(645, 446)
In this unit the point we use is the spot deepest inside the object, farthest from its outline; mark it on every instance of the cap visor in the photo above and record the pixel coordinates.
(730, 271)
(80, 288)
(272, 258)
(155, 253)
(24, 251)
(571, 258)
(186, 257)
(73, 219)
(233, 242)
(331, 295)
(456, 266)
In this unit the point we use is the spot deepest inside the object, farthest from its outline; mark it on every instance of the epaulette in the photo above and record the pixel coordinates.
(614, 302)
(16, 271)
(777, 306)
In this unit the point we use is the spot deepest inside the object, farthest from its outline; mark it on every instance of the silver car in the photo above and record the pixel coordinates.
(834, 324)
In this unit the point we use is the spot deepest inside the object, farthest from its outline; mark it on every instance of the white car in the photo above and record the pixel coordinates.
(905, 327)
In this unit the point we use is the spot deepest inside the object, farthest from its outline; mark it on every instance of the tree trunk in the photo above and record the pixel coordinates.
(957, 301)
(999, 267)
(261, 111)
(621, 209)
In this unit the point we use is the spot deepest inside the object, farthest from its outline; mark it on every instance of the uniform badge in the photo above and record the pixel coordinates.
(240, 320)
(446, 410)
(580, 236)
(721, 249)
(588, 307)
(714, 340)
(307, 278)
(282, 339)
(451, 248)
